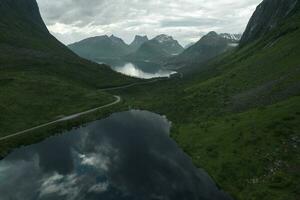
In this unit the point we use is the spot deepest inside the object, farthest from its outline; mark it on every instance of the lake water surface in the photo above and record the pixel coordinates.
(144, 70)
(128, 156)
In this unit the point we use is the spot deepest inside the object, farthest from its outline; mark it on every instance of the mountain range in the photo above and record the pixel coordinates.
(156, 50)
(237, 116)
(141, 49)
(162, 49)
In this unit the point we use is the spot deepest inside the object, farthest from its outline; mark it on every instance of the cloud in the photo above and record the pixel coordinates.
(99, 188)
(126, 156)
(72, 20)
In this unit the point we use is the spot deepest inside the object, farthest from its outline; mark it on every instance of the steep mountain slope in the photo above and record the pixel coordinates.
(189, 45)
(137, 42)
(208, 47)
(40, 78)
(157, 49)
(239, 115)
(100, 47)
(267, 16)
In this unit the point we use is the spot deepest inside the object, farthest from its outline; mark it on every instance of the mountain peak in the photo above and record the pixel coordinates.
(212, 34)
(138, 42)
(163, 38)
(117, 40)
(138, 37)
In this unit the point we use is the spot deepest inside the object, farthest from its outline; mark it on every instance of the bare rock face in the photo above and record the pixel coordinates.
(266, 17)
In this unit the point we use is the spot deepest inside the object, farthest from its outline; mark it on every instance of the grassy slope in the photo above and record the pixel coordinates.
(40, 79)
(239, 116)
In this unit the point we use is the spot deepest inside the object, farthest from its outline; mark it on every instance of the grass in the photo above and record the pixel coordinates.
(254, 155)
(40, 78)
(238, 116)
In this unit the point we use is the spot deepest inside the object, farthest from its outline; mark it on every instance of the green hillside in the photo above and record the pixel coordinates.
(238, 117)
(40, 78)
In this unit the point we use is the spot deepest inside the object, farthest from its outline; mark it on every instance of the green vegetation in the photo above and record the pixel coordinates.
(41, 79)
(238, 117)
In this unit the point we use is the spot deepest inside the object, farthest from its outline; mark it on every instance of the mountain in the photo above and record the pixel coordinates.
(168, 44)
(189, 45)
(208, 47)
(238, 116)
(100, 47)
(137, 42)
(157, 49)
(267, 16)
(40, 78)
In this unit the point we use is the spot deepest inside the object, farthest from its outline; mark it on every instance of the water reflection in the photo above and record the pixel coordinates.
(135, 70)
(126, 156)
(141, 69)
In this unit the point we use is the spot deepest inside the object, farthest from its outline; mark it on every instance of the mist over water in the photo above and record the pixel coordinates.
(140, 69)
(128, 156)
(133, 70)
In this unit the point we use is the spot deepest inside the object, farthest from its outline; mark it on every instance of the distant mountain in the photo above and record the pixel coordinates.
(267, 16)
(189, 45)
(138, 42)
(100, 47)
(157, 49)
(208, 47)
(168, 44)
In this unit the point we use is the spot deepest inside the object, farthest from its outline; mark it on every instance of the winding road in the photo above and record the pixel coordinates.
(67, 118)
(74, 116)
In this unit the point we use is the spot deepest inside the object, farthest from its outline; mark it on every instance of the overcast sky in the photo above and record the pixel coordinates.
(185, 20)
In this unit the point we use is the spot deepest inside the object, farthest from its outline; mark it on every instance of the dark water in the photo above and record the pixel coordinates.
(128, 156)
(144, 70)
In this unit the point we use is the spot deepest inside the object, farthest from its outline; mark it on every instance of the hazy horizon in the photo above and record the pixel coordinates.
(186, 20)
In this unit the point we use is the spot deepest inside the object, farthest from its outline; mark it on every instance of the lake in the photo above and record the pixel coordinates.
(127, 156)
(144, 70)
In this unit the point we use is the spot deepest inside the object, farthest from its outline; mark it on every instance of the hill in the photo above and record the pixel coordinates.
(40, 78)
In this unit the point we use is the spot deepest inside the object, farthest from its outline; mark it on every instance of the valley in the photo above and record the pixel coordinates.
(230, 102)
